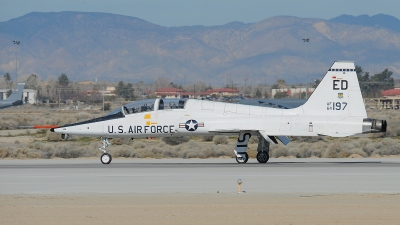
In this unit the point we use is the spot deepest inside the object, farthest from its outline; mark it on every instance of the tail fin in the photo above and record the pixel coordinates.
(17, 93)
(338, 94)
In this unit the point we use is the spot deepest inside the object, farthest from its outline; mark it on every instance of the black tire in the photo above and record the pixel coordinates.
(262, 157)
(243, 159)
(105, 158)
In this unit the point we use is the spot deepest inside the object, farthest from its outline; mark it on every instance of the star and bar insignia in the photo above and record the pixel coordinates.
(191, 125)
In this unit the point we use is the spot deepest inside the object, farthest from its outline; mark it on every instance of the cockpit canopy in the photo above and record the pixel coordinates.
(148, 105)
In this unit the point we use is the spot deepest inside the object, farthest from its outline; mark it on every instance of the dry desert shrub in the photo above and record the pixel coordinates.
(24, 154)
(307, 150)
(220, 140)
(138, 144)
(51, 136)
(122, 151)
(371, 148)
(37, 145)
(50, 145)
(393, 129)
(47, 152)
(143, 153)
(155, 151)
(197, 150)
(207, 138)
(337, 150)
(251, 149)
(121, 141)
(6, 124)
(279, 151)
(4, 153)
(67, 152)
(218, 151)
(175, 140)
(82, 116)
(162, 150)
(253, 139)
(389, 147)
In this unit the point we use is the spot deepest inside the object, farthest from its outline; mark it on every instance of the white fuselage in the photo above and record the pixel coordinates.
(218, 118)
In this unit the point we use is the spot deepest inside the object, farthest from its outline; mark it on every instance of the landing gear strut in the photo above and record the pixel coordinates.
(105, 158)
(263, 150)
(241, 147)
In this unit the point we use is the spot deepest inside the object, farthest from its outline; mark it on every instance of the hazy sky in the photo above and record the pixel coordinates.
(204, 12)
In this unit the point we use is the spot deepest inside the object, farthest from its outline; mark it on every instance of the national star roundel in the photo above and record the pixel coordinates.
(191, 125)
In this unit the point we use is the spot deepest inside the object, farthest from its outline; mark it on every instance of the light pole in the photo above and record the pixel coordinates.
(103, 98)
(16, 60)
(306, 40)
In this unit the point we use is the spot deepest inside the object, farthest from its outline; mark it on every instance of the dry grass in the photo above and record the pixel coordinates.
(47, 145)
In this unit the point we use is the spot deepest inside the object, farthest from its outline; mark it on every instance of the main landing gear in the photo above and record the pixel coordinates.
(242, 158)
(105, 158)
(241, 148)
(262, 157)
(262, 149)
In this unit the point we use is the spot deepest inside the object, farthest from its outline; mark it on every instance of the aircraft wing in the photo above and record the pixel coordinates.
(271, 139)
(274, 103)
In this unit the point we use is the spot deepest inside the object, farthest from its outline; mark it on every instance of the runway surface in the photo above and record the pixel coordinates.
(278, 176)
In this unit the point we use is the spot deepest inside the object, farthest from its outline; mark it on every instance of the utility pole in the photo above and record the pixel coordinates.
(16, 60)
(306, 40)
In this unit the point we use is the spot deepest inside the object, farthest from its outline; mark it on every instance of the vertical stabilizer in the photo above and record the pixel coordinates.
(17, 93)
(338, 94)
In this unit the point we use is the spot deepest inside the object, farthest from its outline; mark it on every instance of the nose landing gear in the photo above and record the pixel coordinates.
(105, 158)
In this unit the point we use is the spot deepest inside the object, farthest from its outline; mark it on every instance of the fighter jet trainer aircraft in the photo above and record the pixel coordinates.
(335, 109)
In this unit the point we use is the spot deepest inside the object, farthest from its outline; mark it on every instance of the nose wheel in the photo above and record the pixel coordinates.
(105, 158)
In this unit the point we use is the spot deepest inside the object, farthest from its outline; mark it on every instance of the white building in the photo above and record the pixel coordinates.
(29, 95)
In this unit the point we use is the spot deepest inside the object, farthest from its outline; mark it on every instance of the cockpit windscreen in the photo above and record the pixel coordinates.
(148, 105)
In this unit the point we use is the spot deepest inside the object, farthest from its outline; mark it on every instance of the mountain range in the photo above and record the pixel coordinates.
(110, 47)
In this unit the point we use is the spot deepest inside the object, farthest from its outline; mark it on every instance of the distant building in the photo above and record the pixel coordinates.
(220, 92)
(29, 95)
(391, 93)
(292, 92)
(171, 92)
(168, 92)
(109, 91)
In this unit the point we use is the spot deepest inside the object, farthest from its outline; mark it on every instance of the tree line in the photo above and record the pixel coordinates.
(371, 87)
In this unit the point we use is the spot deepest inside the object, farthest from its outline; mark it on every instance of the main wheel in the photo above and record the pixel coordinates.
(262, 157)
(242, 159)
(106, 158)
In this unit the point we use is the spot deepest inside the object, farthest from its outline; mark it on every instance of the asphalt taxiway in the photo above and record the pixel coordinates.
(298, 176)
